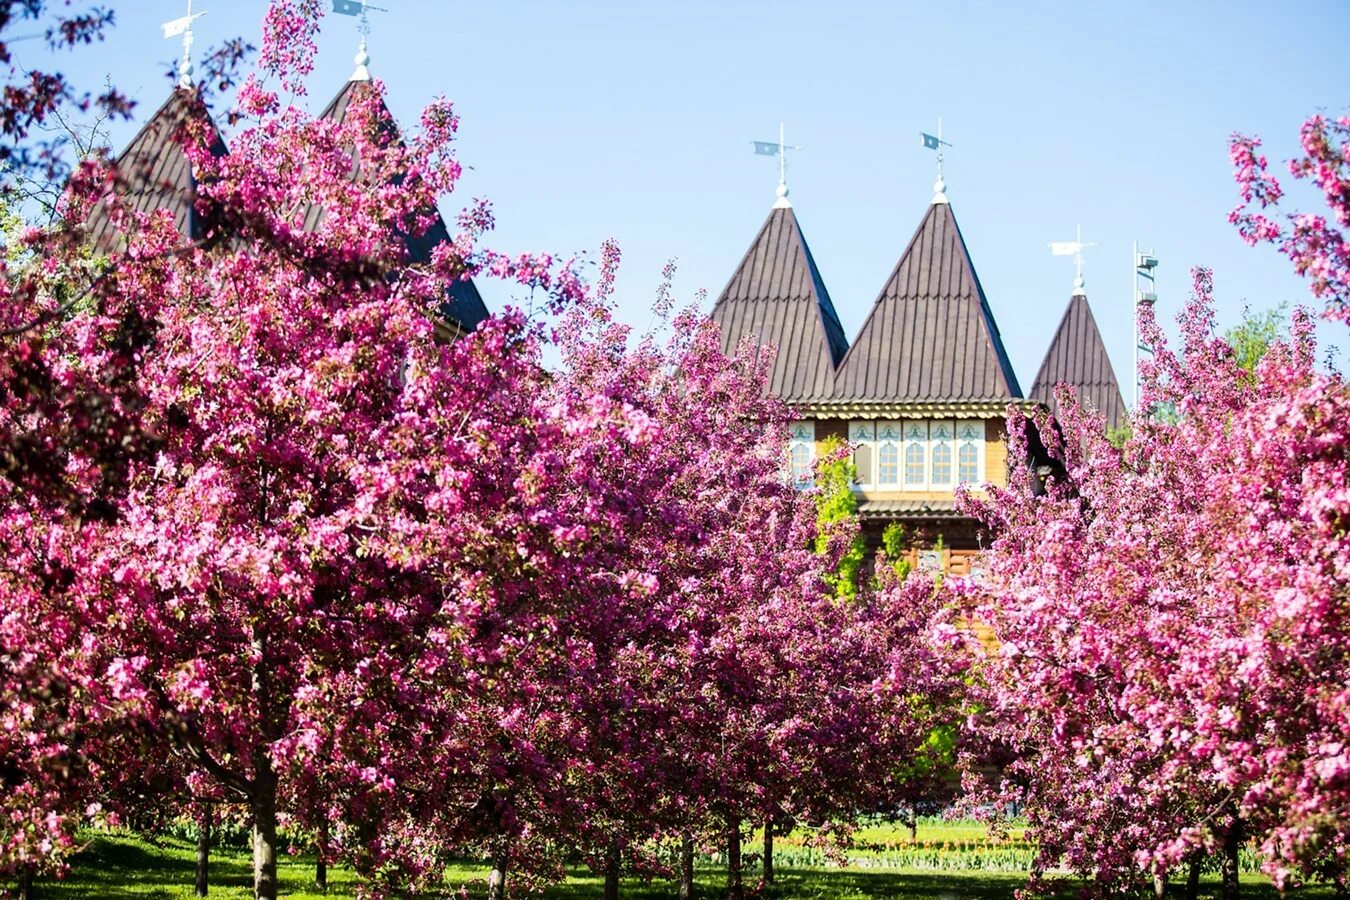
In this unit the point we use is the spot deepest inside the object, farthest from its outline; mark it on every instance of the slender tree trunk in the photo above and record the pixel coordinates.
(1160, 886)
(264, 829)
(613, 861)
(735, 887)
(321, 867)
(1193, 877)
(1232, 842)
(768, 850)
(497, 877)
(914, 827)
(25, 891)
(686, 867)
(203, 851)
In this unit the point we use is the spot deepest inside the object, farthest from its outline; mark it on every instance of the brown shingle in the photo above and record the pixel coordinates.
(776, 296)
(1078, 356)
(931, 335)
(464, 306)
(154, 172)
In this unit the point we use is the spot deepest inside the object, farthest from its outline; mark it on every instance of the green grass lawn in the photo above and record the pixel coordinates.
(124, 866)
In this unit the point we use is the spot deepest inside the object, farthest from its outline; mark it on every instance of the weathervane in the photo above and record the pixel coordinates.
(360, 9)
(779, 149)
(1075, 249)
(935, 142)
(183, 26)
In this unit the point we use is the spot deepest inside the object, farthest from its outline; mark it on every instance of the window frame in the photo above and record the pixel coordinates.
(863, 435)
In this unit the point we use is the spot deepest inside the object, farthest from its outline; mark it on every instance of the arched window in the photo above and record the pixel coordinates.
(970, 452)
(941, 433)
(862, 435)
(802, 452)
(916, 455)
(888, 455)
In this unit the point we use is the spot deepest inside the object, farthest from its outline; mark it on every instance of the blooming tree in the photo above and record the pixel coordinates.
(1170, 615)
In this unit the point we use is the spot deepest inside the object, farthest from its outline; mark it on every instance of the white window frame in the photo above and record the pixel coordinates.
(863, 436)
(938, 440)
(979, 441)
(802, 436)
(891, 433)
(916, 438)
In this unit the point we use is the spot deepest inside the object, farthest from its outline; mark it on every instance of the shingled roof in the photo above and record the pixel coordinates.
(464, 307)
(155, 172)
(931, 335)
(776, 296)
(1077, 356)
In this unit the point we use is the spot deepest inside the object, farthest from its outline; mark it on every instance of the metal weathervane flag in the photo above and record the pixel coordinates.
(929, 141)
(179, 26)
(348, 7)
(766, 148)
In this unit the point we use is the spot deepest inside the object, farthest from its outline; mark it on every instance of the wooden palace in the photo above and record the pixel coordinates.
(922, 392)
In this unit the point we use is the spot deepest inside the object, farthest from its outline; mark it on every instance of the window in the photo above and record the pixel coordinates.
(802, 453)
(970, 451)
(916, 455)
(941, 439)
(888, 455)
(862, 435)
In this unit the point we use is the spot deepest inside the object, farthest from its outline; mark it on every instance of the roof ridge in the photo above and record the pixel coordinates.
(1086, 365)
(765, 299)
(920, 337)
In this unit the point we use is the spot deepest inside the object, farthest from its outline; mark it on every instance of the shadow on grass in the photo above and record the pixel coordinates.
(121, 865)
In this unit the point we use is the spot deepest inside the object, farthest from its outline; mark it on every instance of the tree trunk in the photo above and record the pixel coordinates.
(735, 887)
(497, 877)
(203, 852)
(25, 891)
(321, 867)
(914, 827)
(264, 828)
(612, 863)
(1160, 886)
(1232, 842)
(1193, 877)
(686, 867)
(768, 851)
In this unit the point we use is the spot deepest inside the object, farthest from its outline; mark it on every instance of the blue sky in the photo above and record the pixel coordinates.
(633, 119)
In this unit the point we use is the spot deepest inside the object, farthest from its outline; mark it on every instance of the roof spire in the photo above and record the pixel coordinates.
(183, 26)
(935, 142)
(779, 149)
(1075, 249)
(360, 9)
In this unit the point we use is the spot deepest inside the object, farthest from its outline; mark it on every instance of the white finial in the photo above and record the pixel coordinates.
(362, 10)
(362, 61)
(935, 142)
(779, 149)
(183, 26)
(1075, 249)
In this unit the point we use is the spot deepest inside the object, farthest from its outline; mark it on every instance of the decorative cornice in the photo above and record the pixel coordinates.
(909, 509)
(874, 409)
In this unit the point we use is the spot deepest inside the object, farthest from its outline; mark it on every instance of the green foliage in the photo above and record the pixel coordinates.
(1118, 437)
(836, 508)
(1251, 338)
(894, 546)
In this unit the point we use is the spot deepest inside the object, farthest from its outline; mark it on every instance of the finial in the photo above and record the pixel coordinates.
(362, 61)
(935, 142)
(183, 26)
(360, 9)
(779, 149)
(1075, 249)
